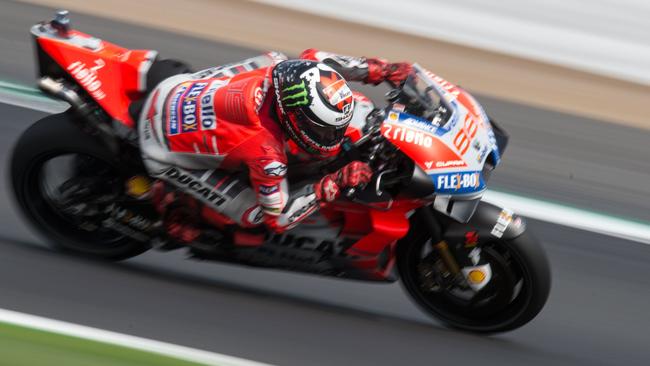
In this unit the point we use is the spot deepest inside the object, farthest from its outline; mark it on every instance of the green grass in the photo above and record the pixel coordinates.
(28, 347)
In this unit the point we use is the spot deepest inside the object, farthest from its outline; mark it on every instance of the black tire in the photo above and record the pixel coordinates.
(532, 265)
(51, 137)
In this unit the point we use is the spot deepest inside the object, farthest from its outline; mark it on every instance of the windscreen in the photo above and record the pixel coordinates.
(428, 102)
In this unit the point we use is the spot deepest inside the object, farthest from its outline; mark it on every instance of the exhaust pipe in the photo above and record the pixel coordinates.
(59, 90)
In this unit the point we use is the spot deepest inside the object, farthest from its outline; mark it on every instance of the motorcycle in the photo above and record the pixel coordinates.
(78, 178)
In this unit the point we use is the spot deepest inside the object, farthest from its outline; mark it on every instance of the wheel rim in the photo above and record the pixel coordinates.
(505, 297)
(68, 194)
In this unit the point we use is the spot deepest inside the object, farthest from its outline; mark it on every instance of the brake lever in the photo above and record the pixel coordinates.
(350, 192)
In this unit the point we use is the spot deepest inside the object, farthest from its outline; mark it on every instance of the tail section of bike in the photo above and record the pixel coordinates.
(111, 75)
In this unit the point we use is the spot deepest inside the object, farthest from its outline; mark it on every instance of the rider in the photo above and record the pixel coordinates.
(202, 132)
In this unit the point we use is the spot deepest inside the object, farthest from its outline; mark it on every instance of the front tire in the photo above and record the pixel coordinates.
(520, 285)
(56, 139)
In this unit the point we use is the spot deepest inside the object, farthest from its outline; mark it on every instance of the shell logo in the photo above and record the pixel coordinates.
(138, 186)
(476, 276)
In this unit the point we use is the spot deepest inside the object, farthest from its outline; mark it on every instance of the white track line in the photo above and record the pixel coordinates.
(572, 217)
(536, 209)
(123, 340)
(27, 97)
(37, 104)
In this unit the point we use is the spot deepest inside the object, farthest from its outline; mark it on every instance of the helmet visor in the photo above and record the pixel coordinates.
(324, 137)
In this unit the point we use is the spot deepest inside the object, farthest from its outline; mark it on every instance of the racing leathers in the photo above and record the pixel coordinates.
(210, 132)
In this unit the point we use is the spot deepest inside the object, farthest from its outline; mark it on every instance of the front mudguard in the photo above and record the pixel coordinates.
(489, 223)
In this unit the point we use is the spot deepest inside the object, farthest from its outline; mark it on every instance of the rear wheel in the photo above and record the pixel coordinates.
(516, 293)
(65, 182)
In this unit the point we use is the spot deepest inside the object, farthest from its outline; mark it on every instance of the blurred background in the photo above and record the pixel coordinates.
(569, 80)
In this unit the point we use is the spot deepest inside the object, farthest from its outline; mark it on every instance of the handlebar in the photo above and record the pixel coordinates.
(368, 149)
(414, 96)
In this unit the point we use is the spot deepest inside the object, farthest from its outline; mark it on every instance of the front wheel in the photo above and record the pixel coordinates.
(64, 182)
(517, 292)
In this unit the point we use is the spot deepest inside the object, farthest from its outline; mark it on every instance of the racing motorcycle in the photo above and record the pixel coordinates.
(79, 179)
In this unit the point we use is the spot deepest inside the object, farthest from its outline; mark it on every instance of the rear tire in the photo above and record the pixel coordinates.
(48, 139)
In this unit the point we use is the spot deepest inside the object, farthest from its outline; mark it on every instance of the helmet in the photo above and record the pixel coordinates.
(315, 104)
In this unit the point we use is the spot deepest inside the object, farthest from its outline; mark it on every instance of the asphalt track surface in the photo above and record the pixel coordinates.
(597, 313)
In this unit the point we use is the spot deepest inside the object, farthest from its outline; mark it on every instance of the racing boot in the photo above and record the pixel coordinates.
(179, 212)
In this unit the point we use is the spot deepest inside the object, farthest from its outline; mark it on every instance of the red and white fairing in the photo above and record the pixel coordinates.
(112, 75)
(452, 151)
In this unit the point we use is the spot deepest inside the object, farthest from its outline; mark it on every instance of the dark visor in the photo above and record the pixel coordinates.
(326, 136)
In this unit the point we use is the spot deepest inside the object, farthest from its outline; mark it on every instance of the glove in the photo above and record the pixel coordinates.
(353, 175)
(398, 72)
(379, 71)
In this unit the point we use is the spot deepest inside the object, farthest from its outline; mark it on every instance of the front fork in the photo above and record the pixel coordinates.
(462, 260)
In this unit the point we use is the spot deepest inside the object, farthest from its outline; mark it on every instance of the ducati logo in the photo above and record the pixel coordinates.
(259, 98)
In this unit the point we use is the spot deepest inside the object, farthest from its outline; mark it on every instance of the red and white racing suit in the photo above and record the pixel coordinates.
(204, 132)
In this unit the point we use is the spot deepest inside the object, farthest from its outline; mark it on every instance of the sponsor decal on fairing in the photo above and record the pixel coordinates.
(503, 221)
(88, 77)
(414, 122)
(409, 135)
(450, 163)
(471, 239)
(465, 135)
(458, 183)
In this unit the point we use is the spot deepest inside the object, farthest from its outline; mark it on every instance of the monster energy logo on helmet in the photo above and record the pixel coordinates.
(296, 95)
